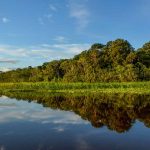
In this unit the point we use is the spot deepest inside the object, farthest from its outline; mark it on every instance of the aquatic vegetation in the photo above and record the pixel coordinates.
(113, 87)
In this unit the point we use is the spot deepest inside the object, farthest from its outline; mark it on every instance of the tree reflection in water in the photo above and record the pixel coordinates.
(116, 111)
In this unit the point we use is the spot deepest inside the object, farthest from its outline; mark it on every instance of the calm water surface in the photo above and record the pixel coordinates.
(103, 122)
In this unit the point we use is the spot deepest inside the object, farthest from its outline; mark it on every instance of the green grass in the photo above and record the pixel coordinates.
(130, 87)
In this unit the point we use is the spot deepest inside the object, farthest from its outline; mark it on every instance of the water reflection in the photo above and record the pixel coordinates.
(25, 125)
(117, 112)
(12, 110)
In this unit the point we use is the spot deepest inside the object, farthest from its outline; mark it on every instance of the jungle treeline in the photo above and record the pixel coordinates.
(114, 61)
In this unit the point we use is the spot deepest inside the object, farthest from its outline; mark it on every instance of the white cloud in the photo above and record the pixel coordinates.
(45, 19)
(60, 39)
(80, 12)
(41, 21)
(8, 50)
(10, 61)
(5, 20)
(48, 16)
(16, 57)
(4, 69)
(72, 49)
(58, 51)
(52, 7)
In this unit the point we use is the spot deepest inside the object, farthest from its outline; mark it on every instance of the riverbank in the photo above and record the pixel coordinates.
(114, 87)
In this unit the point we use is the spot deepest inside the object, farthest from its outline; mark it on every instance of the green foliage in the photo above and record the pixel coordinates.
(115, 61)
(80, 87)
(144, 54)
(97, 46)
(117, 51)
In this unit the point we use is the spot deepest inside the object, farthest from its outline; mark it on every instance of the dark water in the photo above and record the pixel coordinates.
(38, 121)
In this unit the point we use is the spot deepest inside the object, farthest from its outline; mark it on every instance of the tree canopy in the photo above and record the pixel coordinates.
(114, 61)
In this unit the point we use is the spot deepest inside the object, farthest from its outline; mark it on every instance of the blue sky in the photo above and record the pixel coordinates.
(37, 31)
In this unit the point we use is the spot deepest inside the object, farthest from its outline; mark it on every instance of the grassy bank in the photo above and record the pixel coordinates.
(131, 87)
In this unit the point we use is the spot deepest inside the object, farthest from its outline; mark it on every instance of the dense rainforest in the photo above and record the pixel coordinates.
(115, 61)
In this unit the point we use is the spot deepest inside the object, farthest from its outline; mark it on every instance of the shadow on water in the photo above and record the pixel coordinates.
(117, 112)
